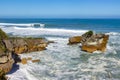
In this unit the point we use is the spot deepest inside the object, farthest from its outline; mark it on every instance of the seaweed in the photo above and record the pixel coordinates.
(3, 35)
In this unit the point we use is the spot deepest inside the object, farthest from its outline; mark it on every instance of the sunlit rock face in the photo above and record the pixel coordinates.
(10, 47)
(75, 39)
(23, 45)
(91, 42)
(6, 62)
(96, 42)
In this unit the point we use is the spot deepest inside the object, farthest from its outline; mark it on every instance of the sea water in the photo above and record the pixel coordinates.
(66, 62)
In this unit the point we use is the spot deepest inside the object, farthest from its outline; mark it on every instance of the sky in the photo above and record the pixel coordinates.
(59, 8)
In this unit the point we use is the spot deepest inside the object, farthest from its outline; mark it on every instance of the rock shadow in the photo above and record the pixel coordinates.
(14, 68)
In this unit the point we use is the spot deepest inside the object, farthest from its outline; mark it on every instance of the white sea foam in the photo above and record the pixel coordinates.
(23, 24)
(42, 31)
(63, 62)
(53, 30)
(29, 30)
(113, 33)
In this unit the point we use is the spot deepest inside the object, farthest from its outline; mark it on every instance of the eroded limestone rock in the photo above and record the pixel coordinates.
(91, 42)
(97, 44)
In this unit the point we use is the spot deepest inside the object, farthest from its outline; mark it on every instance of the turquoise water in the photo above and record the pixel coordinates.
(64, 62)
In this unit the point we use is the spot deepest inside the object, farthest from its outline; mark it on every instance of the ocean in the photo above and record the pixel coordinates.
(61, 61)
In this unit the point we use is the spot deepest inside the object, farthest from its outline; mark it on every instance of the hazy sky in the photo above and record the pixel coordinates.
(60, 8)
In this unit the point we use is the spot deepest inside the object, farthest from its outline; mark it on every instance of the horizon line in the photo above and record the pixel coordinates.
(55, 18)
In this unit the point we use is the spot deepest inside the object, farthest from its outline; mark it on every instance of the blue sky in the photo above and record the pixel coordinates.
(60, 8)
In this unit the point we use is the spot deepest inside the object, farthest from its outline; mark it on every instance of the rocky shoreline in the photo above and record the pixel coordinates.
(11, 47)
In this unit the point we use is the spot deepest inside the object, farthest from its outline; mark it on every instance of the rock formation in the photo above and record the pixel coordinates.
(96, 42)
(74, 40)
(2, 75)
(6, 62)
(10, 47)
(91, 42)
(23, 45)
(25, 60)
(37, 60)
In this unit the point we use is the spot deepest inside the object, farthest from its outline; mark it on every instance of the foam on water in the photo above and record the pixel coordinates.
(41, 31)
(16, 24)
(63, 62)
(113, 33)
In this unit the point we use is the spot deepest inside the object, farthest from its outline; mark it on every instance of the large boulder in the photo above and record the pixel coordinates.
(75, 39)
(96, 44)
(80, 39)
(91, 42)
(7, 63)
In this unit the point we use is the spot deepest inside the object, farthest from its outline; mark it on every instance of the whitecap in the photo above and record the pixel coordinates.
(22, 24)
(42, 31)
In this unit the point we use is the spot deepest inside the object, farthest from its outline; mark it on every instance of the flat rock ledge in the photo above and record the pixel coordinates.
(91, 42)
(25, 45)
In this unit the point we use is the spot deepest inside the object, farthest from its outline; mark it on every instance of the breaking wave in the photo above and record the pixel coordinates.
(14, 30)
(40, 30)
(23, 25)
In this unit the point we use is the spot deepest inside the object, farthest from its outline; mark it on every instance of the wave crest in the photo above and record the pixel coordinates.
(14, 30)
(26, 24)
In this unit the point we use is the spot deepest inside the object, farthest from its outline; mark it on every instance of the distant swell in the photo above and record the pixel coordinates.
(30, 29)
(25, 25)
